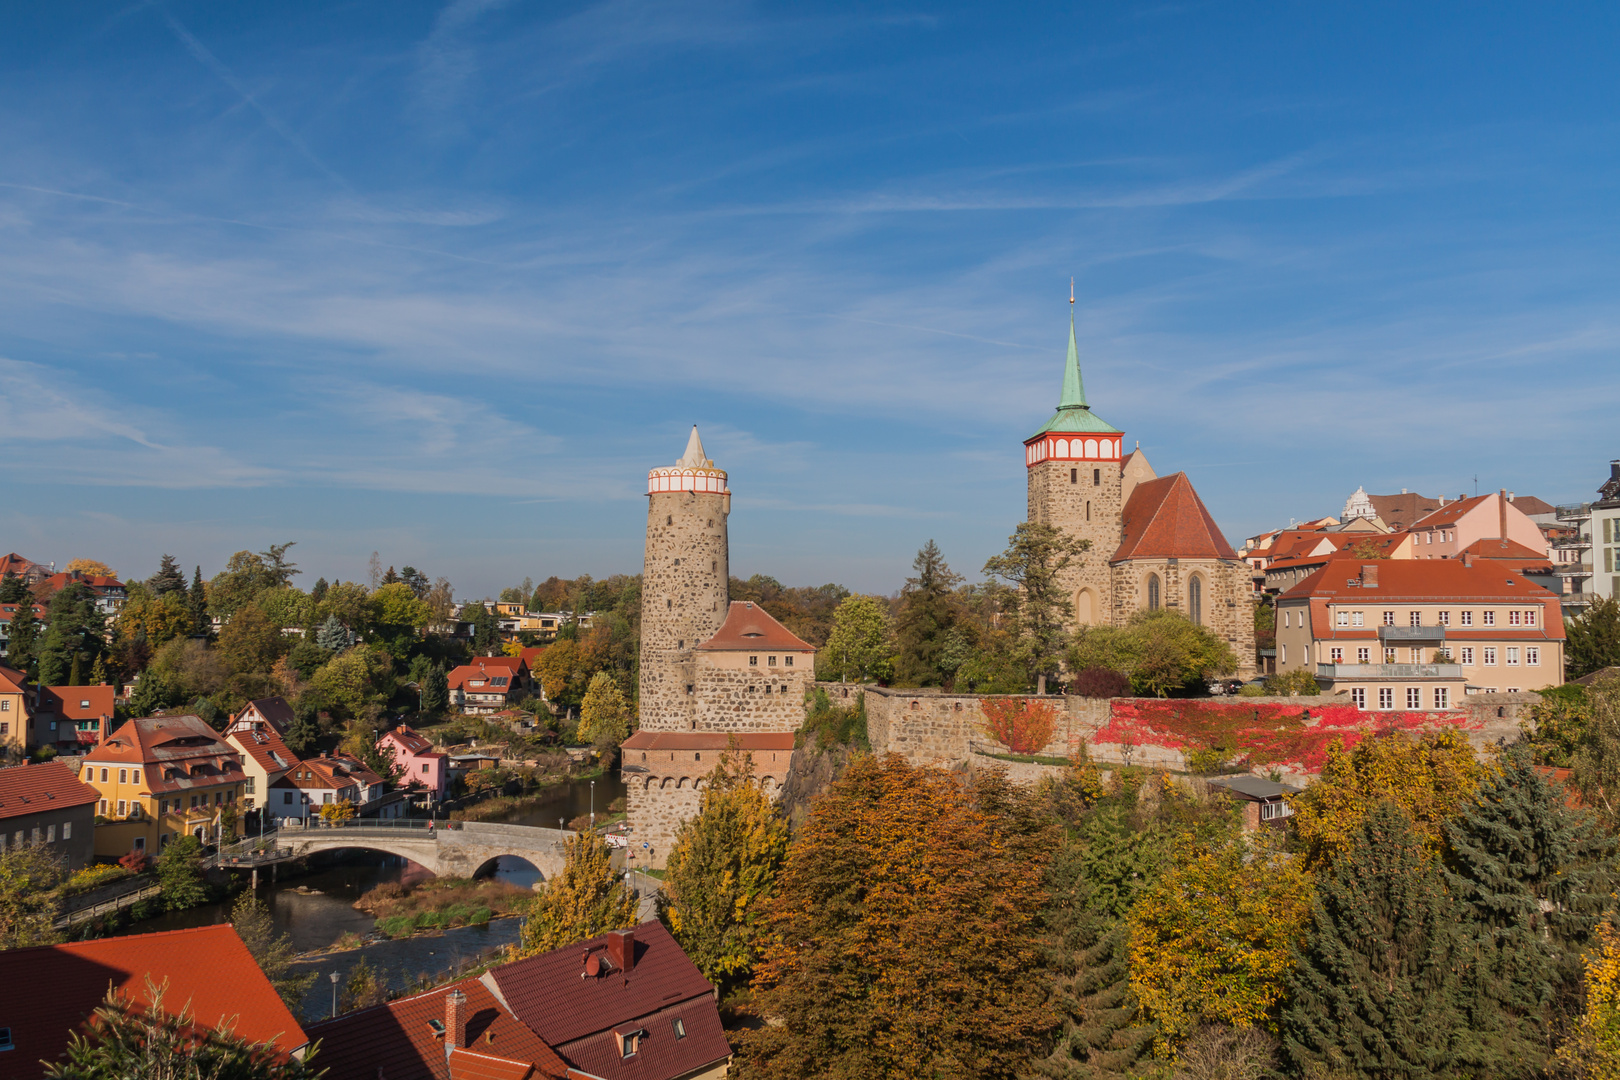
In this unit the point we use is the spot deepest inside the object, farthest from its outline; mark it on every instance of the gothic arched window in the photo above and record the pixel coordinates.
(1153, 592)
(1195, 600)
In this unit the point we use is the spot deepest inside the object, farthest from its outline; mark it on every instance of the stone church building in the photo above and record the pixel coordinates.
(1153, 542)
(713, 673)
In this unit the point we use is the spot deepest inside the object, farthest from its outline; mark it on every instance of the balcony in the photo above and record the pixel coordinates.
(1573, 569)
(1573, 512)
(1573, 542)
(1342, 672)
(1411, 633)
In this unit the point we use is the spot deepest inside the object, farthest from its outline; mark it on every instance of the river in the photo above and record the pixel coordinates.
(316, 908)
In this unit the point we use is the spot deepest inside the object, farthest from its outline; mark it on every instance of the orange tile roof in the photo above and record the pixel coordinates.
(411, 742)
(79, 702)
(1400, 511)
(1428, 581)
(484, 668)
(749, 626)
(1165, 519)
(12, 681)
(397, 1040)
(263, 744)
(1494, 547)
(468, 1065)
(31, 789)
(46, 992)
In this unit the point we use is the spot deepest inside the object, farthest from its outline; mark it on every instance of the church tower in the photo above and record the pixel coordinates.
(1074, 462)
(685, 582)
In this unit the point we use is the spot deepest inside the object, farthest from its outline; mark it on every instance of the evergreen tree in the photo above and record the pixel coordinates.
(486, 629)
(722, 872)
(168, 579)
(585, 900)
(1036, 556)
(318, 592)
(333, 636)
(1378, 986)
(929, 611)
(75, 634)
(201, 624)
(435, 692)
(305, 728)
(25, 631)
(180, 873)
(1527, 871)
(1087, 963)
(1594, 638)
(13, 587)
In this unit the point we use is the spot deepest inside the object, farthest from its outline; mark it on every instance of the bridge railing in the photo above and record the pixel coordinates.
(300, 826)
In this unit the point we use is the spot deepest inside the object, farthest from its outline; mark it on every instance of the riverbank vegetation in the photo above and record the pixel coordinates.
(402, 910)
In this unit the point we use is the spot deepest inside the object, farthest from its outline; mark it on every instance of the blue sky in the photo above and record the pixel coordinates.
(444, 280)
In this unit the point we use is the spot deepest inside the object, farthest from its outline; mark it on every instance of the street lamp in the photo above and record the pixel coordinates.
(334, 978)
(593, 805)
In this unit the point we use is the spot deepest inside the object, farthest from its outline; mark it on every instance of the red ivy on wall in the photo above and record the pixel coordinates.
(1265, 734)
(1023, 726)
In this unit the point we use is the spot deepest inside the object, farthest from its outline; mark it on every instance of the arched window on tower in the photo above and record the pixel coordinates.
(1153, 592)
(1195, 600)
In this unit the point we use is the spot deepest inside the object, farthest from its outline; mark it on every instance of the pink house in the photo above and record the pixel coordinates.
(424, 768)
(1445, 533)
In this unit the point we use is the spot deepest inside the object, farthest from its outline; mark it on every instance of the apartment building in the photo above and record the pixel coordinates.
(1419, 634)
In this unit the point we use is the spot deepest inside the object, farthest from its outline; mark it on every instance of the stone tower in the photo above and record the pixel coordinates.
(1074, 464)
(685, 580)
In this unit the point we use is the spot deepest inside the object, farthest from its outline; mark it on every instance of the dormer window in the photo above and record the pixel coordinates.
(630, 1042)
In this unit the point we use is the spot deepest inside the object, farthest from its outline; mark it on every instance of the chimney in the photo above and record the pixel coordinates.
(455, 1029)
(106, 729)
(1510, 496)
(1501, 513)
(1468, 558)
(1369, 575)
(621, 947)
(1614, 470)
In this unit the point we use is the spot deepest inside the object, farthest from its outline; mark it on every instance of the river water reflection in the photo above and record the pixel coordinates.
(315, 909)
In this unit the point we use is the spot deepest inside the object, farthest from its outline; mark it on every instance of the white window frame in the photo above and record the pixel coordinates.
(1467, 657)
(1532, 656)
(1512, 656)
(1364, 656)
(1489, 658)
(1386, 697)
(1488, 619)
(1358, 697)
(1468, 618)
(1358, 618)
(1336, 655)
(1414, 697)
(1342, 618)
(1442, 697)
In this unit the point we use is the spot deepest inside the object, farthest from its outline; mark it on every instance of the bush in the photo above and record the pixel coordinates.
(135, 862)
(1290, 683)
(1100, 682)
(834, 726)
(1021, 725)
(1251, 690)
(92, 877)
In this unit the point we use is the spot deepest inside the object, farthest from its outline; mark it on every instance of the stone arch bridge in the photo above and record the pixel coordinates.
(447, 852)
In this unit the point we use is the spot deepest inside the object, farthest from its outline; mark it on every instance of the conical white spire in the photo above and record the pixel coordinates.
(694, 457)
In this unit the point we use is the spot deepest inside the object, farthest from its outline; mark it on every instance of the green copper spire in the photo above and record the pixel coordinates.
(1073, 413)
(1074, 390)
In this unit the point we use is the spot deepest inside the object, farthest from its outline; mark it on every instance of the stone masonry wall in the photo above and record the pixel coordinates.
(733, 699)
(684, 593)
(666, 786)
(1055, 501)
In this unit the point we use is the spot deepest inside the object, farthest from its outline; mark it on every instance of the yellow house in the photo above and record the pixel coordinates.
(13, 710)
(160, 777)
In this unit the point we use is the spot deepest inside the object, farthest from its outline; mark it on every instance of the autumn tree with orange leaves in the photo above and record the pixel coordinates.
(904, 936)
(1022, 725)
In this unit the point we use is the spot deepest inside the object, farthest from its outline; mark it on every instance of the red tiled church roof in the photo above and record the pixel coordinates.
(46, 992)
(750, 627)
(1165, 519)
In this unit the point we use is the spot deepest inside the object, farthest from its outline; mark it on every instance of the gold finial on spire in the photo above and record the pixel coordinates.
(1071, 292)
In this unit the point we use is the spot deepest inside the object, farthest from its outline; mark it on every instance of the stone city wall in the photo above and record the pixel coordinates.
(749, 699)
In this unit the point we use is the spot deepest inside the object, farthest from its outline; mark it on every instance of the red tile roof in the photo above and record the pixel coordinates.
(409, 740)
(264, 746)
(577, 1015)
(749, 627)
(470, 1065)
(1401, 511)
(79, 702)
(318, 773)
(46, 992)
(1165, 519)
(1428, 581)
(397, 1041)
(708, 740)
(487, 670)
(31, 789)
(12, 681)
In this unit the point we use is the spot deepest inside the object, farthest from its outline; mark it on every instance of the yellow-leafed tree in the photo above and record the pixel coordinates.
(1212, 940)
(586, 899)
(722, 871)
(1428, 778)
(1593, 1049)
